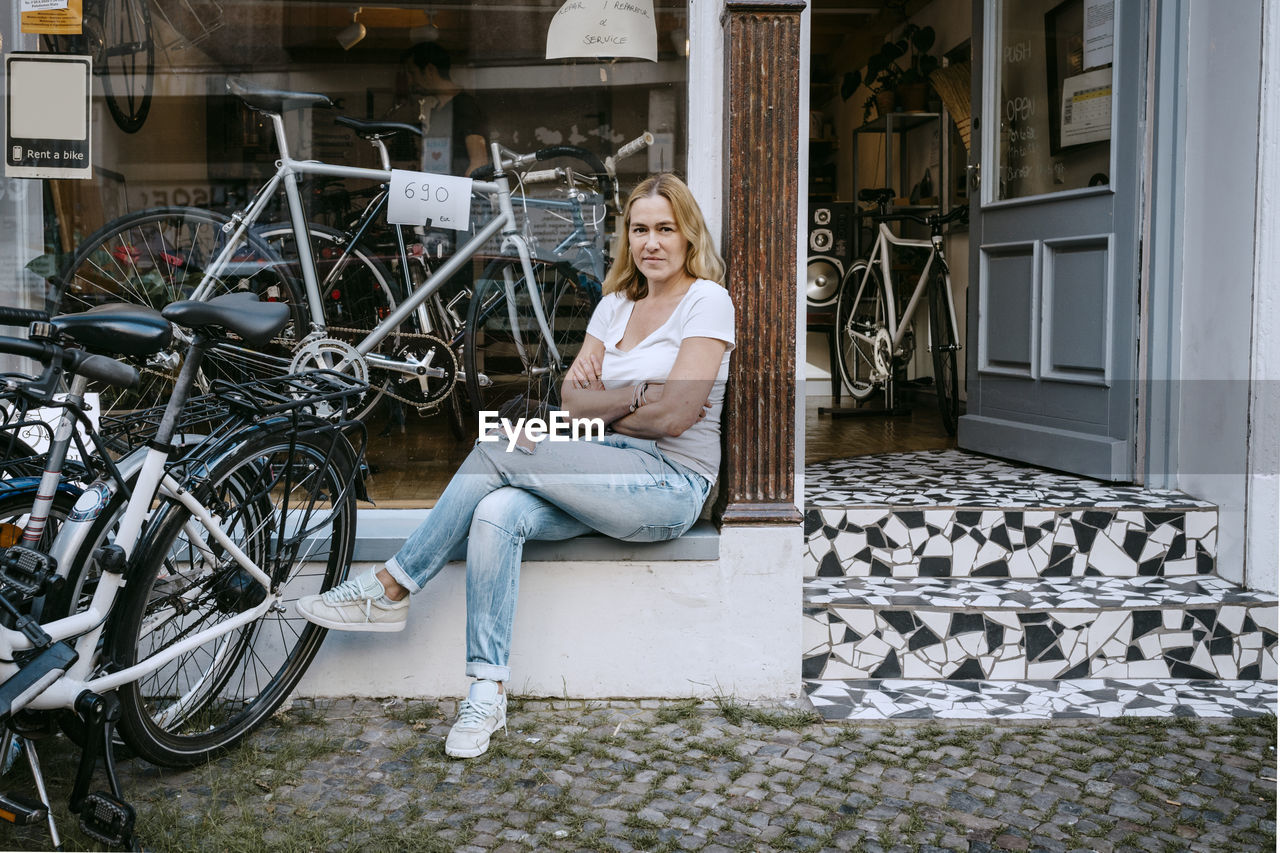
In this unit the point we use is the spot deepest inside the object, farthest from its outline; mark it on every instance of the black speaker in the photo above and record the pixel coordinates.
(830, 250)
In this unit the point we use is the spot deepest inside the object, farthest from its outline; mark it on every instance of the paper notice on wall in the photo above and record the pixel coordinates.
(1099, 32)
(52, 17)
(1086, 107)
(416, 197)
(603, 28)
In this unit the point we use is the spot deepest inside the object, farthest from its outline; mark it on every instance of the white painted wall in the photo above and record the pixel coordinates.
(596, 630)
(1222, 81)
(1262, 509)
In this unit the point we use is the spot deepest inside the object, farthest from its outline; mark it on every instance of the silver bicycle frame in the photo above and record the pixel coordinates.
(287, 172)
(880, 254)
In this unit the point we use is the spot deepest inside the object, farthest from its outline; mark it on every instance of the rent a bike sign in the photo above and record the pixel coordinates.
(416, 197)
(47, 126)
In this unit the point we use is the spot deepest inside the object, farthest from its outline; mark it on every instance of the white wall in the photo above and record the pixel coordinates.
(1262, 510)
(1222, 80)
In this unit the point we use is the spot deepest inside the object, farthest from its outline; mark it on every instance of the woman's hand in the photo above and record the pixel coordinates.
(585, 373)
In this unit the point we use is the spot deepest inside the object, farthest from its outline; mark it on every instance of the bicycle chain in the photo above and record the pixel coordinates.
(290, 343)
(386, 391)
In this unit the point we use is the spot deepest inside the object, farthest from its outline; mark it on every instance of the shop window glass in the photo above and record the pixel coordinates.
(1054, 96)
(199, 146)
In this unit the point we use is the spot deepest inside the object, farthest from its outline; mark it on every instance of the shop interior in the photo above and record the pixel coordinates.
(889, 94)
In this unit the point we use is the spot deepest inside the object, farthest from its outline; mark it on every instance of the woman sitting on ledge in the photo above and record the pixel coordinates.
(653, 367)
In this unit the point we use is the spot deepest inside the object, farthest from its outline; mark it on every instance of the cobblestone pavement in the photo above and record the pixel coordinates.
(369, 775)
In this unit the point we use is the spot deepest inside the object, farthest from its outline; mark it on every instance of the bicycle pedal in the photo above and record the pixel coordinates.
(106, 819)
(28, 571)
(22, 811)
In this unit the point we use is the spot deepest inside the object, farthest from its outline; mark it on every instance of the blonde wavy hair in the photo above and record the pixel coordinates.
(700, 261)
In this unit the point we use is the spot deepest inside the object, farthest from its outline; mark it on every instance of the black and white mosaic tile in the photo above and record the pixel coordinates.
(953, 478)
(1040, 700)
(1019, 543)
(1186, 628)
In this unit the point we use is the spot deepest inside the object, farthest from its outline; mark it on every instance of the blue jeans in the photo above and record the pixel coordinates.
(622, 487)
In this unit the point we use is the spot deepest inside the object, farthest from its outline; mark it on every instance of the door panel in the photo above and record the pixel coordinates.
(1054, 233)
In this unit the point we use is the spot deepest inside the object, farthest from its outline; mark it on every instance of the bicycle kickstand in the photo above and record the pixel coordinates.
(104, 817)
(20, 810)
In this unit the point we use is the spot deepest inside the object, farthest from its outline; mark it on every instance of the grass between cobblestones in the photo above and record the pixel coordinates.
(710, 776)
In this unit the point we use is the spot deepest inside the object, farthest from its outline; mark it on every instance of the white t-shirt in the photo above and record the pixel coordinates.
(705, 311)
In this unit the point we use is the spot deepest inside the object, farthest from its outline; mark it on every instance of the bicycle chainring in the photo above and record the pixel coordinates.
(883, 352)
(320, 353)
(423, 391)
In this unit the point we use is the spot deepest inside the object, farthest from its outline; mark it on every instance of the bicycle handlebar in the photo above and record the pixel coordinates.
(604, 171)
(960, 212)
(99, 368)
(21, 316)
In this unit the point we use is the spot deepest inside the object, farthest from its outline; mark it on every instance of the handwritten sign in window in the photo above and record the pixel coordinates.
(416, 197)
(603, 28)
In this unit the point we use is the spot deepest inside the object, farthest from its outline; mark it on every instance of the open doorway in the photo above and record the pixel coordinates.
(889, 92)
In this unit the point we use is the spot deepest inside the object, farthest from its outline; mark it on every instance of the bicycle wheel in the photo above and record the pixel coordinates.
(498, 377)
(357, 291)
(125, 58)
(158, 256)
(861, 313)
(287, 501)
(945, 348)
(15, 509)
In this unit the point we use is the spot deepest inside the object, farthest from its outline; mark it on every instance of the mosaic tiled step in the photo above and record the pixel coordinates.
(876, 699)
(954, 478)
(1018, 543)
(1014, 630)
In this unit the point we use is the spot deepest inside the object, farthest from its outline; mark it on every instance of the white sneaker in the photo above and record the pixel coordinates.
(482, 713)
(356, 604)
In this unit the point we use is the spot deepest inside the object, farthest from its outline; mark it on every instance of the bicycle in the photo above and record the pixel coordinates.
(117, 34)
(180, 630)
(875, 339)
(154, 256)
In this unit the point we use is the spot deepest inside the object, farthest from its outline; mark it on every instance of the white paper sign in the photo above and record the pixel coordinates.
(43, 5)
(1099, 32)
(1086, 107)
(595, 28)
(416, 197)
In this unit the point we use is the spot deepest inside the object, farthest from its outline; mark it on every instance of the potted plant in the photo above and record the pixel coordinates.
(887, 79)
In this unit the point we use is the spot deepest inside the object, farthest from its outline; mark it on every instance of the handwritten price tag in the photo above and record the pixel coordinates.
(416, 197)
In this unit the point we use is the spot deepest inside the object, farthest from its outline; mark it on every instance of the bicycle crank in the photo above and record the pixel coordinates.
(422, 372)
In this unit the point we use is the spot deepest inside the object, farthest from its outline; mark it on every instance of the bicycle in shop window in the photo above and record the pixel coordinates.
(117, 34)
(524, 321)
(875, 339)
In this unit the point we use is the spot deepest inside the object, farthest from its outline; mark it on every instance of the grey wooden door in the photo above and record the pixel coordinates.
(1052, 343)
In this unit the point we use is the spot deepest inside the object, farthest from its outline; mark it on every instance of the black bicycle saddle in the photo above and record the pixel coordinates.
(274, 100)
(376, 129)
(257, 322)
(117, 329)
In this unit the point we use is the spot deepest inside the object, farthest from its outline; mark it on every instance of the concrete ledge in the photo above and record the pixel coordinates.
(381, 532)
(603, 628)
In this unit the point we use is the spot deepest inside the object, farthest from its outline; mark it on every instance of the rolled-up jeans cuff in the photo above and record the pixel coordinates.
(401, 576)
(493, 672)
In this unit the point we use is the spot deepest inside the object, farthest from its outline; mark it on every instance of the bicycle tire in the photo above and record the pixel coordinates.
(126, 36)
(943, 343)
(154, 257)
(356, 290)
(15, 508)
(205, 701)
(864, 309)
(513, 386)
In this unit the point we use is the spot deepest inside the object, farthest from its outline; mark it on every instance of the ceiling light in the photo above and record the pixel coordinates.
(350, 35)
